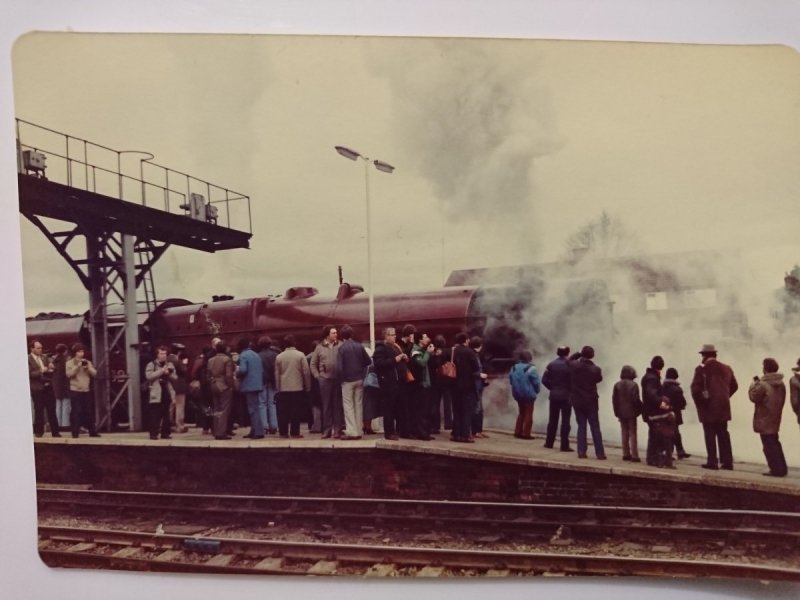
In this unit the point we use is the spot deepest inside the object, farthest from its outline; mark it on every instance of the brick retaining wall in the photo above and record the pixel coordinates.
(370, 472)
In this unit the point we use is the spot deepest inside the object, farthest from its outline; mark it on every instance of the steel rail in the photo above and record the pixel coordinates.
(519, 519)
(414, 503)
(487, 561)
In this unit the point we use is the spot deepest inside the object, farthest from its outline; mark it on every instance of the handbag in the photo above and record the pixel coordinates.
(409, 375)
(448, 369)
(371, 379)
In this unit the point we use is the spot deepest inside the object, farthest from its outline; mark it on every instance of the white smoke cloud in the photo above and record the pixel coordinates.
(472, 124)
(742, 319)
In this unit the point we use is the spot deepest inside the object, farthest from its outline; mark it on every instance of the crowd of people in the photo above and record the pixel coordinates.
(338, 389)
(572, 381)
(419, 386)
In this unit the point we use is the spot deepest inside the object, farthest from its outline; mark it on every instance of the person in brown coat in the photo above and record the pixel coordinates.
(768, 393)
(219, 372)
(712, 387)
(627, 406)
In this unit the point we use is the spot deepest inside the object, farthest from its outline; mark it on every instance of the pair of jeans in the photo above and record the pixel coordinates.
(63, 410)
(717, 434)
(558, 409)
(257, 411)
(353, 407)
(590, 416)
(268, 394)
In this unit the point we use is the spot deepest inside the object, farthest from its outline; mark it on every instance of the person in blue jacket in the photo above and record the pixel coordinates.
(525, 385)
(251, 381)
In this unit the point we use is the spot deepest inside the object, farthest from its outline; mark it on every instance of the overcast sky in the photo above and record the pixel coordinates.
(503, 148)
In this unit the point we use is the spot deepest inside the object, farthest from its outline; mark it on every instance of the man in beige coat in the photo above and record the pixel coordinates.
(80, 372)
(160, 375)
(768, 393)
(323, 369)
(292, 383)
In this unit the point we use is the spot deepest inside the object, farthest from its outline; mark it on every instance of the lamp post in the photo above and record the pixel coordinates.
(150, 156)
(386, 168)
(131, 306)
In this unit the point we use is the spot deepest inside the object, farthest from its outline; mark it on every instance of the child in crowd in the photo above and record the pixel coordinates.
(627, 405)
(672, 390)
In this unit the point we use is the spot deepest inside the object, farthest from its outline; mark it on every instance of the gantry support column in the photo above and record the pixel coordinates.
(132, 334)
(98, 325)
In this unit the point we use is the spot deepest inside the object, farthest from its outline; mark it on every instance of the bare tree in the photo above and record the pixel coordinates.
(602, 237)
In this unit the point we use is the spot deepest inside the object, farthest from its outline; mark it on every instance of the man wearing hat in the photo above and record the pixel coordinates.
(712, 387)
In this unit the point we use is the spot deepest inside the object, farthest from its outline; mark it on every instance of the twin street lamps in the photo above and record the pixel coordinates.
(386, 168)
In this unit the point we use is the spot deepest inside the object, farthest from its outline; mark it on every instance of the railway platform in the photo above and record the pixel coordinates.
(501, 466)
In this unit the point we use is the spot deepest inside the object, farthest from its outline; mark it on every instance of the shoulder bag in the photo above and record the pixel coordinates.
(448, 369)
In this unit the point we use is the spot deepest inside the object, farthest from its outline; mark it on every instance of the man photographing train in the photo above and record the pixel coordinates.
(160, 374)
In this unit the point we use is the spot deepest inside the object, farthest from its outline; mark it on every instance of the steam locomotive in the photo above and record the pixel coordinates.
(490, 311)
(507, 317)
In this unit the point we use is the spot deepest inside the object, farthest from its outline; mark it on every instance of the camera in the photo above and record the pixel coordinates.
(84, 362)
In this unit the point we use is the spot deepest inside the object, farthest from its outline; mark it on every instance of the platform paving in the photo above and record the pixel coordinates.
(501, 447)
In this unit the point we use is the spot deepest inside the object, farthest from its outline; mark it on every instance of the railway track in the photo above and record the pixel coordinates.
(504, 521)
(140, 551)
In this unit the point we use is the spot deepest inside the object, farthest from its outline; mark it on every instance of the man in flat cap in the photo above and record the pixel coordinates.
(712, 387)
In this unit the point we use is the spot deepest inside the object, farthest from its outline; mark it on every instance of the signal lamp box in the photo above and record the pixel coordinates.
(196, 206)
(211, 213)
(33, 161)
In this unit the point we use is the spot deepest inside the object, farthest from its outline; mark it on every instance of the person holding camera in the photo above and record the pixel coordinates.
(768, 394)
(80, 372)
(160, 375)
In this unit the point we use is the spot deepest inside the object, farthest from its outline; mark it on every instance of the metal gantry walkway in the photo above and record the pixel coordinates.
(71, 188)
